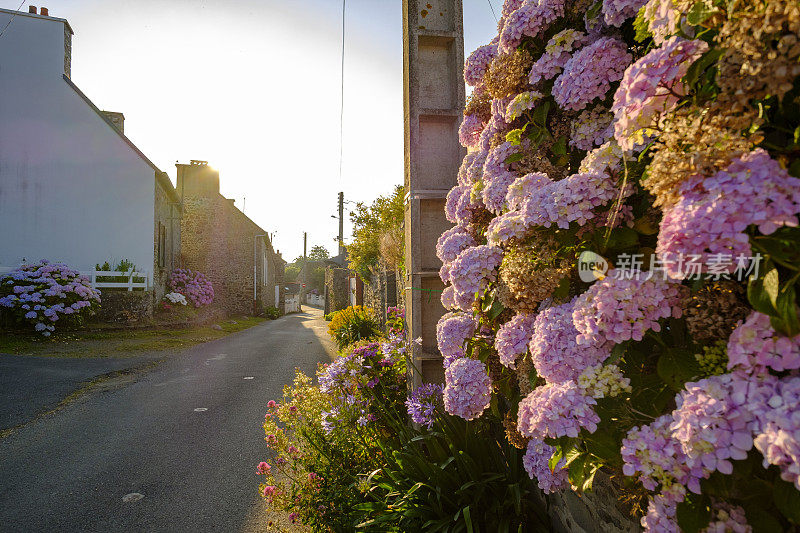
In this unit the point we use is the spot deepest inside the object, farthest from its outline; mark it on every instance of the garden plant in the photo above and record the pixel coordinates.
(42, 294)
(622, 270)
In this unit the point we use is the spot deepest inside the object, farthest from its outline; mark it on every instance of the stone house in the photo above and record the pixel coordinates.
(73, 187)
(223, 243)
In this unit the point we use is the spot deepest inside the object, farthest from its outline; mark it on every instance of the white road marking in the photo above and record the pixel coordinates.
(249, 377)
(200, 409)
(132, 497)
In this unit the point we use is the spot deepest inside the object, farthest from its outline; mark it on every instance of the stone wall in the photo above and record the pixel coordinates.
(380, 292)
(124, 306)
(337, 289)
(598, 511)
(222, 242)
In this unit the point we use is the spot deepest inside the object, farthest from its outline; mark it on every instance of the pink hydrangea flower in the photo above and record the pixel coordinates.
(555, 410)
(536, 462)
(650, 88)
(512, 338)
(590, 72)
(755, 347)
(468, 388)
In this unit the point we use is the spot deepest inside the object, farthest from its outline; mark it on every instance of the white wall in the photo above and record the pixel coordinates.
(71, 189)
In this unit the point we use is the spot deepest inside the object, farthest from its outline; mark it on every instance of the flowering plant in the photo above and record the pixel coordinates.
(175, 298)
(193, 285)
(40, 294)
(666, 130)
(353, 324)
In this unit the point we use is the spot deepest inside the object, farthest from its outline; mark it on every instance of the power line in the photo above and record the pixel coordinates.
(492, 8)
(12, 18)
(341, 103)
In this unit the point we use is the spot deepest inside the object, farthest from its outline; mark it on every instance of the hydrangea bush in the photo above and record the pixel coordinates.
(659, 139)
(195, 286)
(45, 294)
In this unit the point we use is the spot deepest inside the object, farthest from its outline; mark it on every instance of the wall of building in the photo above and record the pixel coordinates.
(218, 240)
(167, 215)
(71, 188)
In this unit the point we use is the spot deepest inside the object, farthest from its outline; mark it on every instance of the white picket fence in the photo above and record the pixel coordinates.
(130, 284)
(315, 299)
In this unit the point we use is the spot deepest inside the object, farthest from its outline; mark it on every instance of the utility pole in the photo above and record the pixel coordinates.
(305, 260)
(341, 224)
(433, 53)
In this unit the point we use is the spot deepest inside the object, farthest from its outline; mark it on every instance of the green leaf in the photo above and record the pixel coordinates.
(786, 322)
(763, 521)
(642, 26)
(558, 454)
(772, 286)
(676, 367)
(700, 66)
(495, 309)
(787, 500)
(758, 297)
(699, 13)
(515, 136)
(467, 518)
(694, 513)
(513, 158)
(560, 146)
(562, 291)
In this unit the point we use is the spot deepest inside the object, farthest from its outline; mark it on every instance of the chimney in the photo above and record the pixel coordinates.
(118, 119)
(44, 12)
(32, 10)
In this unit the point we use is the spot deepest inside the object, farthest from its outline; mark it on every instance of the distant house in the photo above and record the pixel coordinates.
(73, 187)
(222, 242)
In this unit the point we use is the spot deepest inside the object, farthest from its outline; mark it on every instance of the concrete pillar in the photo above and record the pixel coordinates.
(433, 59)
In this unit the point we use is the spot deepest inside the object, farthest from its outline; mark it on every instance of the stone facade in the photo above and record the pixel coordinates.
(337, 289)
(381, 292)
(220, 241)
(123, 306)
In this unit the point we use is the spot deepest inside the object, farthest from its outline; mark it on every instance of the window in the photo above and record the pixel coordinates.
(162, 245)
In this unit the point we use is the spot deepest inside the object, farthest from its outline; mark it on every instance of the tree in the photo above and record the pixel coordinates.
(372, 224)
(318, 253)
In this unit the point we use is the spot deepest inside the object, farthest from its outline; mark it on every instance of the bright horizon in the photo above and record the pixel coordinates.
(253, 87)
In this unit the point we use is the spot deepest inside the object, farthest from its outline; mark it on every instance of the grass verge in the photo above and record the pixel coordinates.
(119, 343)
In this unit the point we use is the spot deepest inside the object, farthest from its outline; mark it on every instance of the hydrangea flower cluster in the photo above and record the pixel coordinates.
(531, 18)
(650, 88)
(754, 347)
(471, 272)
(616, 309)
(712, 213)
(555, 352)
(555, 410)
(520, 104)
(615, 12)
(712, 423)
(468, 388)
(557, 52)
(422, 403)
(662, 19)
(601, 160)
(661, 515)
(496, 176)
(42, 293)
(452, 331)
(470, 131)
(590, 73)
(603, 381)
(193, 285)
(175, 298)
(778, 438)
(512, 338)
(457, 205)
(659, 460)
(591, 128)
(477, 64)
(536, 462)
(452, 242)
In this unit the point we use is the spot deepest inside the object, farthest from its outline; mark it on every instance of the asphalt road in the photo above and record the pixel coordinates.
(187, 436)
(30, 385)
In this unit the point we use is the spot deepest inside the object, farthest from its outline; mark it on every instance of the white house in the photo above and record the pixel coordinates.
(73, 187)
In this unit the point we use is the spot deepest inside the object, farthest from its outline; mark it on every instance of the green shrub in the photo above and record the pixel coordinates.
(353, 324)
(272, 312)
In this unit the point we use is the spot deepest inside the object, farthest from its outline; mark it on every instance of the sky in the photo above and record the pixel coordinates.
(253, 87)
